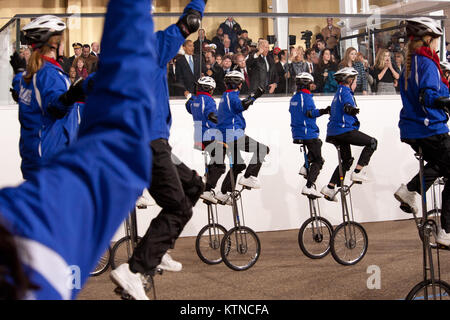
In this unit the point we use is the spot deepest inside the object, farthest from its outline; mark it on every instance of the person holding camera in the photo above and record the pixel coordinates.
(343, 131)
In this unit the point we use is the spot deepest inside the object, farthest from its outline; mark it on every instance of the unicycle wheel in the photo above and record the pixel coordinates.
(103, 264)
(424, 291)
(122, 251)
(208, 243)
(314, 237)
(240, 248)
(349, 243)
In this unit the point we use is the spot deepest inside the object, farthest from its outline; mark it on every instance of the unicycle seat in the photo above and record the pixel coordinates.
(298, 141)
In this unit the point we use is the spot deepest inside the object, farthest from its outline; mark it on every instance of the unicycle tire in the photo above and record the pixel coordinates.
(434, 215)
(315, 244)
(418, 292)
(103, 264)
(208, 241)
(120, 252)
(341, 245)
(240, 248)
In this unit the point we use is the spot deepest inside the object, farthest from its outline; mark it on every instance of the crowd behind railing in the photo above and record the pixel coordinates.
(263, 64)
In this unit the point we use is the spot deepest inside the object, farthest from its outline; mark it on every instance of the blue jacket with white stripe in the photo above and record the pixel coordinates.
(340, 121)
(231, 122)
(200, 107)
(65, 215)
(417, 118)
(302, 126)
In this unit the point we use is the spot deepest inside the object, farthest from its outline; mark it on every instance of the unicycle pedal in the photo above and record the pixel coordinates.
(142, 206)
(123, 294)
(442, 247)
(357, 182)
(406, 208)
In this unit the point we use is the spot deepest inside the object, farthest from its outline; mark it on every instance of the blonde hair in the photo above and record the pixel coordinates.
(379, 60)
(36, 61)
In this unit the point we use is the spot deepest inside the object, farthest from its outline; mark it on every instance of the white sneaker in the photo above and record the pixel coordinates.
(407, 198)
(145, 200)
(168, 264)
(443, 238)
(359, 177)
(223, 198)
(330, 194)
(250, 182)
(303, 172)
(208, 196)
(311, 192)
(130, 282)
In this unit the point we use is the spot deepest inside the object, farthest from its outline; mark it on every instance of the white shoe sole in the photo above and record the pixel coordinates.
(404, 205)
(212, 200)
(125, 287)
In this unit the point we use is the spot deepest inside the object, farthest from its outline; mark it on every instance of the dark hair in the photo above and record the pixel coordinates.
(308, 52)
(321, 62)
(86, 46)
(14, 282)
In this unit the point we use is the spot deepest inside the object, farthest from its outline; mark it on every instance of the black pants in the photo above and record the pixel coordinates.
(246, 144)
(216, 166)
(436, 152)
(347, 139)
(315, 160)
(176, 189)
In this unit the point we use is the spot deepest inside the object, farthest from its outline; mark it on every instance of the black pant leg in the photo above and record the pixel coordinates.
(259, 151)
(216, 166)
(314, 148)
(235, 148)
(167, 190)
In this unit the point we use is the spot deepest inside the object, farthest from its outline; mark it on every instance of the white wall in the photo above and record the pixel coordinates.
(279, 204)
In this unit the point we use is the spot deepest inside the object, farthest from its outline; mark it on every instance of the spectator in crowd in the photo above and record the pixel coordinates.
(385, 72)
(26, 54)
(227, 64)
(227, 46)
(324, 73)
(331, 34)
(200, 40)
(241, 66)
(81, 68)
(298, 63)
(95, 49)
(310, 58)
(283, 74)
(319, 46)
(219, 59)
(399, 65)
(73, 75)
(176, 89)
(369, 72)
(350, 61)
(215, 71)
(77, 50)
(187, 68)
(242, 46)
(231, 28)
(261, 69)
(90, 62)
(218, 41)
(244, 35)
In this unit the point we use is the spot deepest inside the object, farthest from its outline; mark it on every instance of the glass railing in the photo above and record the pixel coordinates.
(297, 43)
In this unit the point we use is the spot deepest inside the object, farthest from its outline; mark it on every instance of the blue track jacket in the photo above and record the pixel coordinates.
(231, 122)
(341, 122)
(420, 120)
(65, 216)
(302, 126)
(200, 107)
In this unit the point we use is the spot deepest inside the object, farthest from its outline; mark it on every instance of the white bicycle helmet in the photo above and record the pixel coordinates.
(344, 73)
(38, 31)
(206, 84)
(423, 26)
(445, 66)
(304, 78)
(234, 78)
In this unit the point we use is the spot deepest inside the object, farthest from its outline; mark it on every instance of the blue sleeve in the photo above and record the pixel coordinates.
(189, 105)
(76, 203)
(429, 80)
(236, 105)
(52, 85)
(312, 107)
(198, 5)
(210, 107)
(169, 42)
(347, 98)
(16, 81)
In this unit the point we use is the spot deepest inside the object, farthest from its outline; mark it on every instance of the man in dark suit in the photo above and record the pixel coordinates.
(187, 68)
(261, 68)
(232, 28)
(77, 48)
(201, 39)
(241, 66)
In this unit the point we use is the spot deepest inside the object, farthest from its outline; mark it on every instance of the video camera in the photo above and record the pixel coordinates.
(307, 35)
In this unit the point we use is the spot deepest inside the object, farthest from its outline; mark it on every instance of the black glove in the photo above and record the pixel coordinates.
(213, 118)
(19, 64)
(327, 110)
(190, 22)
(442, 103)
(247, 102)
(74, 94)
(15, 94)
(349, 109)
(258, 93)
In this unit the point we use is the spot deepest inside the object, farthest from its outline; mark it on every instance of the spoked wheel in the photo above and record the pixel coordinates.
(122, 251)
(314, 237)
(103, 263)
(434, 215)
(426, 291)
(349, 243)
(208, 243)
(240, 248)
